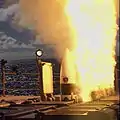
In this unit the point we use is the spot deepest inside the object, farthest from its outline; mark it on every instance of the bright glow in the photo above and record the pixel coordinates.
(47, 78)
(93, 30)
(39, 53)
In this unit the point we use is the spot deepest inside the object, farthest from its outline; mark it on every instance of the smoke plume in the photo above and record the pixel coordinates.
(49, 20)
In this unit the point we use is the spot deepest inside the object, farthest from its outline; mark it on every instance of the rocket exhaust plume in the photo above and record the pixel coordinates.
(87, 28)
(94, 31)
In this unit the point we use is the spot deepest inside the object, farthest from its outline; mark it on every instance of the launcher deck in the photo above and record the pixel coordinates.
(104, 109)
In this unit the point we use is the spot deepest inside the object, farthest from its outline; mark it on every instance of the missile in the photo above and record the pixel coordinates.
(68, 69)
(68, 76)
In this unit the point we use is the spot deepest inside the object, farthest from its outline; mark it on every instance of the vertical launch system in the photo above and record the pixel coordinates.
(68, 78)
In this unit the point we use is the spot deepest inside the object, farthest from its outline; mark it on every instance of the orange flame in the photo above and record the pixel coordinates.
(93, 29)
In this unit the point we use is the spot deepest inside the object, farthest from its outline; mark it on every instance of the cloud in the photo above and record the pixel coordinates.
(18, 53)
(15, 56)
(7, 42)
(13, 48)
(6, 12)
(23, 46)
(10, 48)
